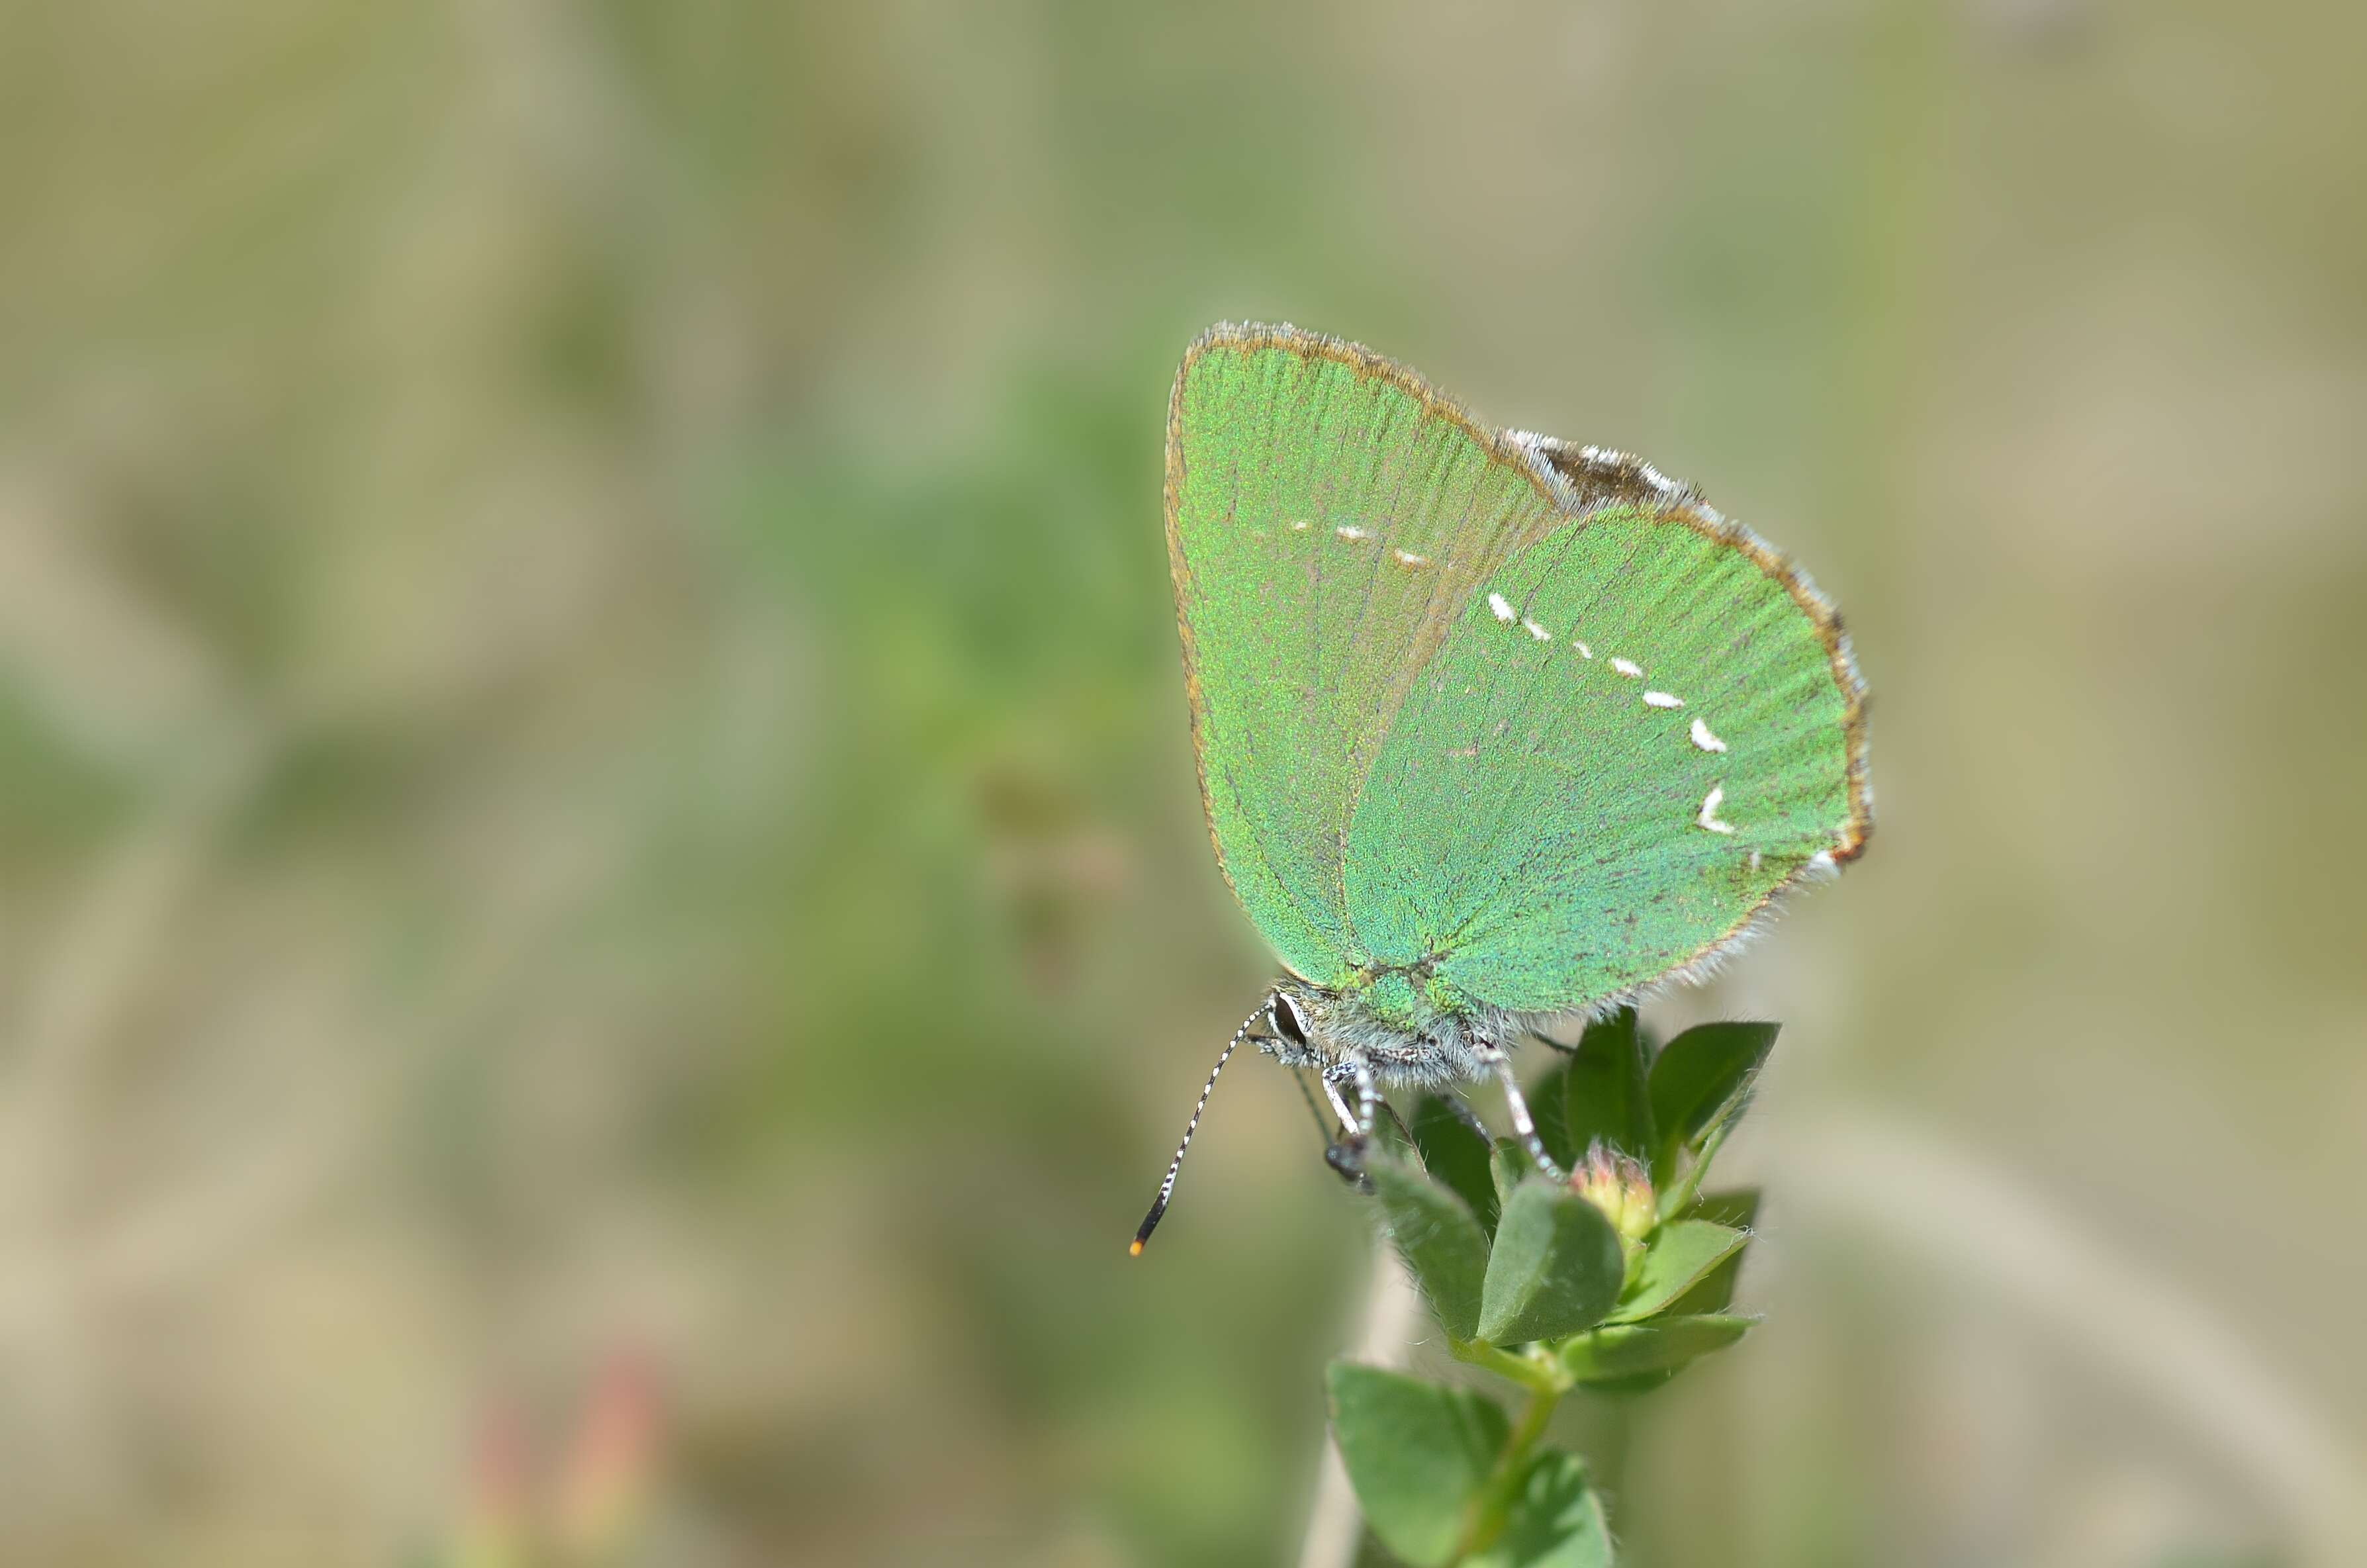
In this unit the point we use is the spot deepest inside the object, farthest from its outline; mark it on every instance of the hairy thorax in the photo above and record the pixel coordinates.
(1387, 1024)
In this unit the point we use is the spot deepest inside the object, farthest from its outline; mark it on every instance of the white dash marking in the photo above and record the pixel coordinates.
(1628, 667)
(1538, 631)
(1705, 739)
(1708, 818)
(1583, 651)
(1351, 535)
(1299, 526)
(1662, 700)
(1409, 558)
(1503, 610)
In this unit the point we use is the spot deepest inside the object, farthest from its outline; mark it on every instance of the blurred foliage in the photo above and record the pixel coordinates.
(591, 768)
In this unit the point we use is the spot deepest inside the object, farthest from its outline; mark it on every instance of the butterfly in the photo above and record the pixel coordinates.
(1492, 729)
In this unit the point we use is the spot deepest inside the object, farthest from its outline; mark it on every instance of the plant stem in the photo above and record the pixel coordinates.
(1687, 1186)
(1494, 1505)
(1538, 1374)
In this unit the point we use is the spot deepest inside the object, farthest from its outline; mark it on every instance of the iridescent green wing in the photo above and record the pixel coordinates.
(1329, 520)
(1639, 731)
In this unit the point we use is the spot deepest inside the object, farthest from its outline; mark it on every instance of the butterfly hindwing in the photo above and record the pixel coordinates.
(1640, 729)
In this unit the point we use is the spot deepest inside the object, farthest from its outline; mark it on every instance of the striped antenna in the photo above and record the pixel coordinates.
(1167, 1188)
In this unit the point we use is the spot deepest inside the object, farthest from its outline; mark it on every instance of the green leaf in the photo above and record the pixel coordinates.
(1556, 1266)
(1628, 1350)
(1549, 1108)
(1697, 1079)
(1627, 1388)
(1390, 1134)
(1455, 1155)
(1555, 1520)
(1738, 1208)
(1509, 1164)
(1416, 1453)
(1438, 1237)
(1608, 1096)
(1682, 1254)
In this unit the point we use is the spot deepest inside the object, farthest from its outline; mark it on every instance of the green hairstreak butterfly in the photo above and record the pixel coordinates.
(1492, 729)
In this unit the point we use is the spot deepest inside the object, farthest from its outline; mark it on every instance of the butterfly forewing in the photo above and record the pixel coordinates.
(1328, 519)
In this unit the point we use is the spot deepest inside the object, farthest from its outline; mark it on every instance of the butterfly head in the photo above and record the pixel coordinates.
(1295, 1031)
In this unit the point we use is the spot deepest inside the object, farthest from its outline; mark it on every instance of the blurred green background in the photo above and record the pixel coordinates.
(603, 920)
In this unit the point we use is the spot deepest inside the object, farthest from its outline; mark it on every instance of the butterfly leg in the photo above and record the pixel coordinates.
(1523, 1122)
(1468, 1116)
(1368, 1099)
(1339, 1105)
(1347, 1155)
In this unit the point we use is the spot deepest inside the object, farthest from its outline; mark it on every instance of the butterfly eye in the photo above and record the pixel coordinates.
(1283, 1015)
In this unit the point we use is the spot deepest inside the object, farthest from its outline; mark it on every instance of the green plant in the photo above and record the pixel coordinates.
(1613, 1283)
